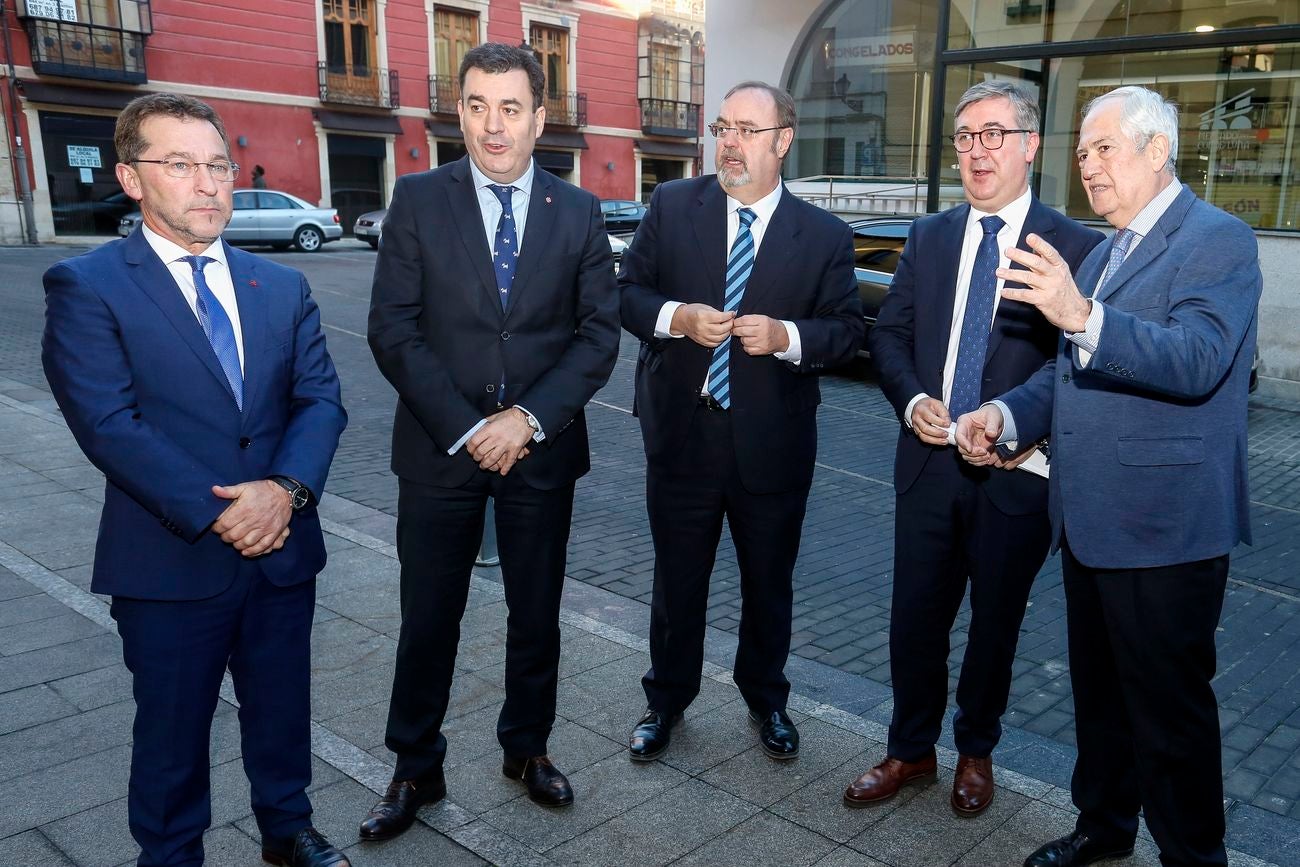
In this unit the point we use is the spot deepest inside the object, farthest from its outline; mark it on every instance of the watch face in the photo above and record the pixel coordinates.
(299, 497)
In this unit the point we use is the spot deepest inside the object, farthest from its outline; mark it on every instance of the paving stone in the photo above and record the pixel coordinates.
(755, 777)
(98, 837)
(477, 785)
(846, 857)
(93, 689)
(63, 790)
(31, 848)
(30, 706)
(63, 660)
(227, 846)
(419, 845)
(35, 635)
(50, 744)
(762, 839)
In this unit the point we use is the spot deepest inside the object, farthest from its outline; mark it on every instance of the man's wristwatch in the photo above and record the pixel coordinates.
(532, 422)
(299, 496)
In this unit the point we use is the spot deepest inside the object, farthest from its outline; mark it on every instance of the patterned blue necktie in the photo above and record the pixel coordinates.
(505, 249)
(739, 265)
(976, 322)
(1118, 250)
(216, 324)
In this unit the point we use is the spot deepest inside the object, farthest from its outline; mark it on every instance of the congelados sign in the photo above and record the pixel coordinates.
(894, 48)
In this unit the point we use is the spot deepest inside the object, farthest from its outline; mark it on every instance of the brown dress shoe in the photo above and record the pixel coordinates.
(972, 785)
(885, 779)
(396, 810)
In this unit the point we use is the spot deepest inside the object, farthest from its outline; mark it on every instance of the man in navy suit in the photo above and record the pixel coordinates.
(195, 376)
(946, 339)
(494, 313)
(741, 294)
(1146, 405)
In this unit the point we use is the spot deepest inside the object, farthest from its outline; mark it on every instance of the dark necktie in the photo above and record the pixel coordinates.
(505, 248)
(216, 325)
(739, 265)
(1118, 250)
(976, 322)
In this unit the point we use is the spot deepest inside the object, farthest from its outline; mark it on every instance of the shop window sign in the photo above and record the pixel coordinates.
(60, 10)
(84, 157)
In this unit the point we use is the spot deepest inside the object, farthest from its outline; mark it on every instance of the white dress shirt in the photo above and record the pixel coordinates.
(763, 210)
(216, 274)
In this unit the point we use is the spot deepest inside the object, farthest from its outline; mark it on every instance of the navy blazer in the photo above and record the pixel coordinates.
(1149, 440)
(909, 342)
(803, 273)
(144, 395)
(440, 336)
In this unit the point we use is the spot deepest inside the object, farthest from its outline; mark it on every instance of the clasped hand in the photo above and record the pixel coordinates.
(502, 442)
(707, 326)
(257, 520)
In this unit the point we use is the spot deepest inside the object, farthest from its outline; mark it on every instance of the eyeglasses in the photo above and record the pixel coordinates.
(745, 132)
(991, 138)
(225, 172)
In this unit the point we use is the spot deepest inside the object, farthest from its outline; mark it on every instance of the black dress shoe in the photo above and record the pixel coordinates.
(652, 735)
(546, 785)
(397, 808)
(776, 734)
(307, 848)
(1076, 850)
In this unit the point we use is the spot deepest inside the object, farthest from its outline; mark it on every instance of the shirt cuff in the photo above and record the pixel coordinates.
(794, 352)
(1090, 337)
(664, 324)
(538, 434)
(469, 433)
(911, 407)
(1008, 437)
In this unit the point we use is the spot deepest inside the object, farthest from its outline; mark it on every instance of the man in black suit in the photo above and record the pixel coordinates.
(740, 294)
(944, 341)
(494, 314)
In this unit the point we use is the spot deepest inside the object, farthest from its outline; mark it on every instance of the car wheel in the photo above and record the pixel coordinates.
(373, 242)
(308, 239)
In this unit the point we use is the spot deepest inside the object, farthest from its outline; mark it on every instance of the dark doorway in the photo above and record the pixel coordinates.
(356, 176)
(85, 197)
(655, 172)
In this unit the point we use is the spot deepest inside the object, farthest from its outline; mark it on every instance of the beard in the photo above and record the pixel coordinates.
(736, 178)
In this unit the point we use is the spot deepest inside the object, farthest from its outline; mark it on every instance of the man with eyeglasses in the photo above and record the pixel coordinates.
(741, 294)
(196, 377)
(945, 340)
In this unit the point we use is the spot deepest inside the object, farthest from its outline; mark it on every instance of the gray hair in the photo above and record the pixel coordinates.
(1145, 115)
(1022, 102)
(785, 113)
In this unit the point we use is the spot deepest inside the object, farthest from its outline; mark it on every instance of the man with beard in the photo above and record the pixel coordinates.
(741, 294)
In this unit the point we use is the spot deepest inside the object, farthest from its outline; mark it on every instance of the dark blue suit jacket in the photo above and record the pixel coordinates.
(803, 273)
(1149, 440)
(145, 397)
(909, 342)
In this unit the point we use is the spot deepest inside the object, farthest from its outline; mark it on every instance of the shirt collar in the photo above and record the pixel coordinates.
(763, 208)
(524, 183)
(1146, 219)
(170, 251)
(1013, 214)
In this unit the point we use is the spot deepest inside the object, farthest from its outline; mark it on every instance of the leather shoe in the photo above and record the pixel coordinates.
(397, 808)
(307, 848)
(972, 785)
(1076, 850)
(546, 785)
(777, 735)
(652, 734)
(885, 779)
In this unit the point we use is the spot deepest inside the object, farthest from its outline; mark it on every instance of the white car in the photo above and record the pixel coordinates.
(370, 227)
(270, 218)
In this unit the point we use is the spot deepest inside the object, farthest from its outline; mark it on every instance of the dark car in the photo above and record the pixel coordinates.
(621, 216)
(97, 217)
(877, 245)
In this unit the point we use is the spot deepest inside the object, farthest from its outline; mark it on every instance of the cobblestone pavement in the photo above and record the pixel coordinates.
(843, 577)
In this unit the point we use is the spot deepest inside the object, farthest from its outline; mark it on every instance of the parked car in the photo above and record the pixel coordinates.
(370, 227)
(621, 216)
(618, 247)
(94, 217)
(270, 218)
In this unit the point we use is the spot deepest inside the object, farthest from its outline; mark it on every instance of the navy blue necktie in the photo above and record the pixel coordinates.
(505, 248)
(977, 322)
(217, 326)
(739, 265)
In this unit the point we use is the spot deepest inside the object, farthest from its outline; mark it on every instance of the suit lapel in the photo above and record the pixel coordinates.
(151, 275)
(1153, 244)
(468, 217)
(709, 219)
(947, 253)
(251, 298)
(780, 246)
(537, 234)
(1037, 221)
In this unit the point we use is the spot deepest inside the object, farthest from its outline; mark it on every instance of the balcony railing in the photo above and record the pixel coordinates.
(666, 117)
(566, 109)
(86, 51)
(358, 85)
(444, 91)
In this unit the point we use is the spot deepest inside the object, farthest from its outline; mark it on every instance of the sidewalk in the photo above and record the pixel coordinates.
(65, 716)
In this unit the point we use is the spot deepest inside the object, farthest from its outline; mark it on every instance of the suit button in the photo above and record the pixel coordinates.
(505, 335)
(1065, 377)
(245, 442)
(491, 388)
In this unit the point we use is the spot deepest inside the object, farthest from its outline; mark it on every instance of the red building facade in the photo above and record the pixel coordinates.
(337, 98)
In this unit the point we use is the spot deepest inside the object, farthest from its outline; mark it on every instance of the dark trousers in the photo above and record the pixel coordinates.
(438, 535)
(946, 532)
(177, 653)
(1146, 719)
(687, 501)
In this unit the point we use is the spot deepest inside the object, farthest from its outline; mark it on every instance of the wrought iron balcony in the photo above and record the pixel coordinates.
(358, 85)
(566, 109)
(86, 50)
(444, 91)
(666, 117)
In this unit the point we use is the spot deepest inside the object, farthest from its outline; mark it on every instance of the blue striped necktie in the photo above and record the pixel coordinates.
(976, 322)
(216, 325)
(1118, 250)
(505, 248)
(739, 265)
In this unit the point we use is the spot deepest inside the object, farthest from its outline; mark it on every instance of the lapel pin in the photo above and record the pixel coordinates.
(548, 200)
(252, 282)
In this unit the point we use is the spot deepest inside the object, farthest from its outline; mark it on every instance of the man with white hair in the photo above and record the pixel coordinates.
(1146, 406)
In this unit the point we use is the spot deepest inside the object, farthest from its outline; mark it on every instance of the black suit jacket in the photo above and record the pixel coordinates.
(803, 273)
(909, 342)
(440, 337)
